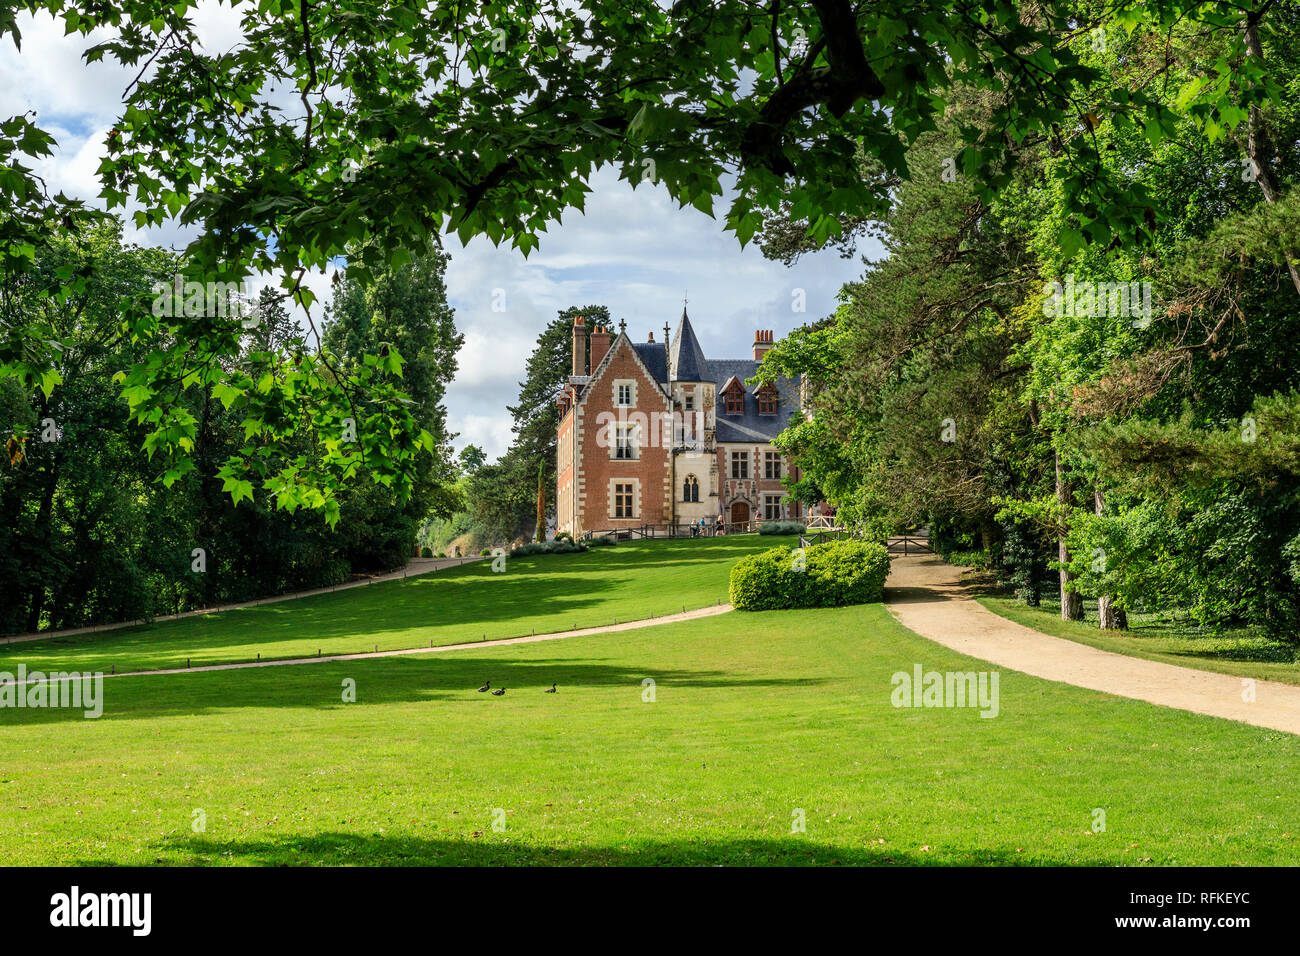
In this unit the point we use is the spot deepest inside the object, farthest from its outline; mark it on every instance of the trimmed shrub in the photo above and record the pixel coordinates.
(834, 574)
(781, 527)
(604, 541)
(558, 546)
(563, 536)
(425, 553)
(768, 581)
(485, 551)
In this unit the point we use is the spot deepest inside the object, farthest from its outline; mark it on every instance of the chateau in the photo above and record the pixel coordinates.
(655, 433)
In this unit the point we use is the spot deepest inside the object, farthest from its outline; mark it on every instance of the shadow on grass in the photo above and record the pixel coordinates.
(395, 680)
(471, 598)
(348, 849)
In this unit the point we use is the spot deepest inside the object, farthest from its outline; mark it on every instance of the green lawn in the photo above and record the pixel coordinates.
(543, 593)
(1241, 652)
(756, 716)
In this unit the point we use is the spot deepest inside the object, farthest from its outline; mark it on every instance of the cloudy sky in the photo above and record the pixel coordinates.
(632, 250)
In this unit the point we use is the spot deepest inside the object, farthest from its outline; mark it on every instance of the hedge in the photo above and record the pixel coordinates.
(833, 574)
(781, 527)
(557, 546)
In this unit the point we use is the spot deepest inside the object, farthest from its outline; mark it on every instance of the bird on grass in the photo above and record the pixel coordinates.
(498, 692)
(551, 691)
(486, 685)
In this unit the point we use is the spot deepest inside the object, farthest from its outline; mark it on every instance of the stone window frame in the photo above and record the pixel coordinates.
(619, 385)
(635, 495)
(740, 456)
(691, 489)
(772, 465)
(626, 435)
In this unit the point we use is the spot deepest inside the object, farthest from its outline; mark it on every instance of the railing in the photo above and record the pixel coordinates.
(908, 545)
(711, 529)
(813, 535)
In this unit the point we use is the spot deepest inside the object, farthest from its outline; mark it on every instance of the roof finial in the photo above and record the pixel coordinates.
(622, 326)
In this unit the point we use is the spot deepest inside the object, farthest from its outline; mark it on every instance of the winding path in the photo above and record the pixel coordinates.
(499, 642)
(925, 595)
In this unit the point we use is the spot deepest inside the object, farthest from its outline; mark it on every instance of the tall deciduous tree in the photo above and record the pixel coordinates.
(404, 312)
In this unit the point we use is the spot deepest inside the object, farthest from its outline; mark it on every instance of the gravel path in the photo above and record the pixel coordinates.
(500, 642)
(925, 594)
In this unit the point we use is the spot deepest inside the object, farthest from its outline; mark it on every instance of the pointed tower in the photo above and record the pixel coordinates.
(695, 464)
(686, 361)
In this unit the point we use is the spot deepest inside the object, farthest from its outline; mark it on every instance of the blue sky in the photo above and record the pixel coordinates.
(632, 250)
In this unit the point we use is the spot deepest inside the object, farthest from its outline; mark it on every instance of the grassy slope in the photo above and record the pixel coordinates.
(1240, 653)
(756, 715)
(545, 592)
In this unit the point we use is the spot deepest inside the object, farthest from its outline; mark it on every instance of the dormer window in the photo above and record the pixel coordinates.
(767, 400)
(733, 395)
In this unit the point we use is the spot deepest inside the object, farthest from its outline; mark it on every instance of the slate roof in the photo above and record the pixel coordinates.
(751, 426)
(688, 361)
(689, 365)
(653, 354)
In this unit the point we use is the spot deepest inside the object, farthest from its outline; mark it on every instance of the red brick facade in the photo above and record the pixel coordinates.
(639, 445)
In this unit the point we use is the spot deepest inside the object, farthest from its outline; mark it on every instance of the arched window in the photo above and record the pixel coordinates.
(691, 489)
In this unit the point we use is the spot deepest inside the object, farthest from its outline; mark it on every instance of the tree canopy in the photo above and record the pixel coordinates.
(370, 128)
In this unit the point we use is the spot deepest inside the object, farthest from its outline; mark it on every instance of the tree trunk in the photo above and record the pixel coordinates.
(1109, 617)
(988, 535)
(42, 537)
(1259, 148)
(1071, 601)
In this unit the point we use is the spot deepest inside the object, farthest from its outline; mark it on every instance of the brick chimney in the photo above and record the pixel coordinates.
(579, 346)
(599, 345)
(762, 342)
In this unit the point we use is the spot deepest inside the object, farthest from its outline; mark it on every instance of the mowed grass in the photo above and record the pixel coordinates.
(757, 720)
(1240, 652)
(544, 593)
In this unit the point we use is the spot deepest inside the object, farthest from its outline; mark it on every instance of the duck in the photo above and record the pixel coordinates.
(498, 692)
(551, 691)
(487, 684)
